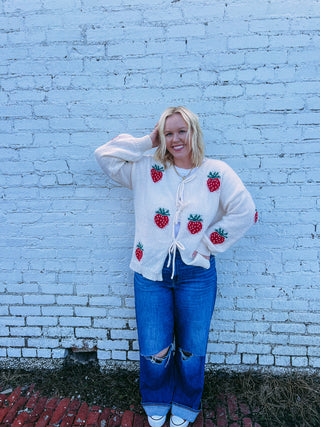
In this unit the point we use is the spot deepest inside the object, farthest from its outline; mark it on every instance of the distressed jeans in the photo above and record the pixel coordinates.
(175, 314)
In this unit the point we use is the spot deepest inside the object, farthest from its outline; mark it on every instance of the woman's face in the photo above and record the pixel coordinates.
(178, 141)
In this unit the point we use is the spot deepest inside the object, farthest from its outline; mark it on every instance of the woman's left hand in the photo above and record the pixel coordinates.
(204, 256)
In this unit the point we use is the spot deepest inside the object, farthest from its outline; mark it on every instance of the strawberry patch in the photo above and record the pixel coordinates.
(218, 236)
(195, 224)
(162, 217)
(139, 251)
(156, 173)
(213, 181)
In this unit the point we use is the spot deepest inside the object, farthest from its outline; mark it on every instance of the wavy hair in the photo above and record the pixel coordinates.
(197, 146)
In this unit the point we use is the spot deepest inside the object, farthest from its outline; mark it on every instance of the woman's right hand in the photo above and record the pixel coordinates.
(155, 137)
(204, 256)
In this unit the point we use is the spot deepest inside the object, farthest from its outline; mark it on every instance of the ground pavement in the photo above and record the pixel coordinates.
(26, 407)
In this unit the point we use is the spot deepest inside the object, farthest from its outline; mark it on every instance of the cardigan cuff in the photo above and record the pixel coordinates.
(203, 248)
(145, 143)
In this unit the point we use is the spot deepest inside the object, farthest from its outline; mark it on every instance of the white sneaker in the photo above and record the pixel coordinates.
(178, 422)
(156, 420)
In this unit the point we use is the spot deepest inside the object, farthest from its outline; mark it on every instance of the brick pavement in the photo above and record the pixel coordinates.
(25, 407)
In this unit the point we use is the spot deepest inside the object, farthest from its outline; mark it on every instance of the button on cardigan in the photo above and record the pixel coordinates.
(212, 205)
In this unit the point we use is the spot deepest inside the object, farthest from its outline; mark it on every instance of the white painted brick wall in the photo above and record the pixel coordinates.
(75, 73)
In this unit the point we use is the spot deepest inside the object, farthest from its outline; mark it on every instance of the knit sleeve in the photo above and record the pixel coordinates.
(237, 215)
(117, 156)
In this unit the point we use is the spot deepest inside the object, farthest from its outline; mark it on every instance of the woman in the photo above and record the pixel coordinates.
(187, 209)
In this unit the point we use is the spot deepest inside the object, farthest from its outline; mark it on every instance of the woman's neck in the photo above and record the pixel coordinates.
(183, 164)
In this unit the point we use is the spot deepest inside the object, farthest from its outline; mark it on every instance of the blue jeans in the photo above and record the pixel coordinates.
(175, 314)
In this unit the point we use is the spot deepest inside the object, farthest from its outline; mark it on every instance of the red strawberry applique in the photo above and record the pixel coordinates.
(139, 251)
(162, 217)
(194, 224)
(218, 236)
(213, 181)
(156, 173)
(256, 217)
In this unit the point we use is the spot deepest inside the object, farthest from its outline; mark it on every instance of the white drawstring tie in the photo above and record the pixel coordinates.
(173, 250)
(175, 243)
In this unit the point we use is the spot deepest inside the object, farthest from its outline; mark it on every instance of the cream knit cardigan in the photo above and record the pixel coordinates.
(212, 205)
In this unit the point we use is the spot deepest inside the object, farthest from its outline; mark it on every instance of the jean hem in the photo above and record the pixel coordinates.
(184, 412)
(159, 409)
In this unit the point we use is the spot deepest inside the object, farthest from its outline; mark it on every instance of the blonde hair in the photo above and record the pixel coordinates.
(197, 146)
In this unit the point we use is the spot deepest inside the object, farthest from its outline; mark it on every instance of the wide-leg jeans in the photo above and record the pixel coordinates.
(174, 313)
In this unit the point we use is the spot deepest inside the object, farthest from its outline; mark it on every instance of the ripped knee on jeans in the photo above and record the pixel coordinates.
(185, 355)
(159, 357)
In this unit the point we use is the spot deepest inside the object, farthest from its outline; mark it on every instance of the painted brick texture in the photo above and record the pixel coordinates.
(74, 74)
